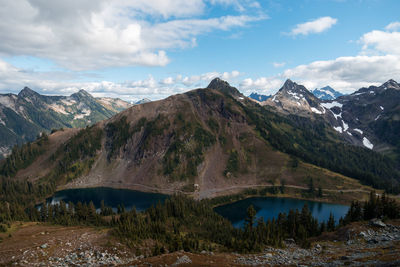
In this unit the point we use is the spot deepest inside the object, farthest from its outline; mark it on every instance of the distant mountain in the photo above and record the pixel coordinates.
(295, 99)
(142, 101)
(326, 93)
(24, 116)
(259, 97)
(370, 117)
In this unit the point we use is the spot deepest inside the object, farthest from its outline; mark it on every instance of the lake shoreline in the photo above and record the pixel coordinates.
(225, 197)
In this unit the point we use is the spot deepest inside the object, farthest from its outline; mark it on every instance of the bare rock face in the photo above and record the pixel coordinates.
(295, 99)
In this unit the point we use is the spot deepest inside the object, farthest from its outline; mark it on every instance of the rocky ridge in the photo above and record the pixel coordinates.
(24, 116)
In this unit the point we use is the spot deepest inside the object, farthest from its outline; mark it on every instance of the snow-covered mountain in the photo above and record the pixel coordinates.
(369, 117)
(24, 116)
(326, 93)
(259, 97)
(295, 99)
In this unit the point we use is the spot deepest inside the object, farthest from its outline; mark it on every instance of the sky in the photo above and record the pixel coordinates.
(134, 49)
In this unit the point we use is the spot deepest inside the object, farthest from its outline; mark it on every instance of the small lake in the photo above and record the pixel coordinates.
(267, 207)
(112, 197)
(270, 207)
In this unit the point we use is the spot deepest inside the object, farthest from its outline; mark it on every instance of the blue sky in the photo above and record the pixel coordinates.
(153, 48)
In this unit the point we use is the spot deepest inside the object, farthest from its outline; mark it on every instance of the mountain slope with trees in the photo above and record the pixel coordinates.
(26, 115)
(200, 142)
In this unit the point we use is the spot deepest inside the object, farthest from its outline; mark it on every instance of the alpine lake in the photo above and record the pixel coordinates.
(266, 207)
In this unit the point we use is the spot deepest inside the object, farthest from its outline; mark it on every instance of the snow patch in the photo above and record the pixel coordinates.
(327, 92)
(382, 108)
(372, 92)
(367, 143)
(293, 94)
(358, 130)
(316, 111)
(349, 133)
(358, 94)
(377, 117)
(345, 126)
(332, 104)
(338, 129)
(337, 116)
(298, 103)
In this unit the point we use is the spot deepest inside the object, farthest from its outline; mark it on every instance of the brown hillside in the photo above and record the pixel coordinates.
(200, 142)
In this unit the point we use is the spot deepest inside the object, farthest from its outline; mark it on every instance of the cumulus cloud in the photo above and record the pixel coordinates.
(347, 73)
(315, 26)
(264, 85)
(394, 26)
(13, 79)
(377, 62)
(382, 42)
(86, 34)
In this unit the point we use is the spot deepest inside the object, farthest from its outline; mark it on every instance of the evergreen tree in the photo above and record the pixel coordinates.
(251, 214)
(331, 223)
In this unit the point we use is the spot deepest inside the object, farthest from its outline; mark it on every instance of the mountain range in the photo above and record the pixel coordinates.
(326, 93)
(368, 117)
(26, 115)
(213, 140)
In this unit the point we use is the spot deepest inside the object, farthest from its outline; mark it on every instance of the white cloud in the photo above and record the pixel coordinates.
(347, 74)
(382, 42)
(86, 34)
(394, 26)
(315, 26)
(377, 62)
(279, 64)
(264, 85)
(13, 79)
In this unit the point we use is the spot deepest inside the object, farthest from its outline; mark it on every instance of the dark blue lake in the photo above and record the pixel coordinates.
(270, 207)
(112, 197)
(267, 207)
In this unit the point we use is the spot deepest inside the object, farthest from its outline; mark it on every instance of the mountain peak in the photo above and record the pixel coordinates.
(218, 83)
(289, 82)
(27, 92)
(82, 93)
(289, 85)
(223, 86)
(391, 84)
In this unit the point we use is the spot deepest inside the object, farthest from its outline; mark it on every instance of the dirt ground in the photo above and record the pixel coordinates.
(33, 244)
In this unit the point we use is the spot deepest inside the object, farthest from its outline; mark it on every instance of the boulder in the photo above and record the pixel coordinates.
(377, 223)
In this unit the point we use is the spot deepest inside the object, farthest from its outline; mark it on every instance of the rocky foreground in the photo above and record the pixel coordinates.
(371, 243)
